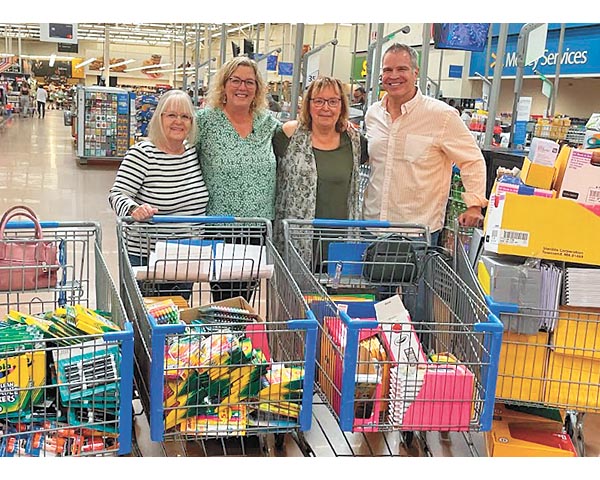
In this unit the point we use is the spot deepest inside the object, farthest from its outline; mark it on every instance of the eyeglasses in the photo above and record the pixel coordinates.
(237, 82)
(174, 116)
(320, 102)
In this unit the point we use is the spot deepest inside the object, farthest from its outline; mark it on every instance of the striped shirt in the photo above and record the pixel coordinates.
(171, 183)
(411, 160)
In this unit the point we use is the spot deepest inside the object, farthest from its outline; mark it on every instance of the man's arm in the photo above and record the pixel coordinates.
(460, 147)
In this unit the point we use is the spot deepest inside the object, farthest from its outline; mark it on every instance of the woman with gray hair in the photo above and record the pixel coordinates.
(161, 175)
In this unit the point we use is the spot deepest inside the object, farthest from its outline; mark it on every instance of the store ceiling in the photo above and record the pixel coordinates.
(141, 33)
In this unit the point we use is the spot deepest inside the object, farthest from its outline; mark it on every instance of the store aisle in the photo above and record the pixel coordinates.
(39, 168)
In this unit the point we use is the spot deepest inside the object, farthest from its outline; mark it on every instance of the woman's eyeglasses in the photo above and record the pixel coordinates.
(174, 116)
(237, 82)
(320, 102)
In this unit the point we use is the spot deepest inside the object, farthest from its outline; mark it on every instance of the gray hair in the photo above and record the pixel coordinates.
(177, 100)
(402, 47)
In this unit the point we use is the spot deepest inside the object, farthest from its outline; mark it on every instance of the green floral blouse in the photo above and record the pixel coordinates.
(239, 172)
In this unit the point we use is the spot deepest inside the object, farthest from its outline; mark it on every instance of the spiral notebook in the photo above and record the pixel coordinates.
(582, 287)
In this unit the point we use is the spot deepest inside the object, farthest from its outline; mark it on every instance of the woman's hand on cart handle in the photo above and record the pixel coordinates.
(143, 212)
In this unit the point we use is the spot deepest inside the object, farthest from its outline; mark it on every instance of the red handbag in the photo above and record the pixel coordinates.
(26, 264)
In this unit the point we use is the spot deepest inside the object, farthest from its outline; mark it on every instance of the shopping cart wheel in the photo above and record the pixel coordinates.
(407, 438)
(279, 440)
(574, 428)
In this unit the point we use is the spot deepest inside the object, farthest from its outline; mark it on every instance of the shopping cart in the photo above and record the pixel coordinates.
(426, 362)
(64, 390)
(549, 358)
(193, 401)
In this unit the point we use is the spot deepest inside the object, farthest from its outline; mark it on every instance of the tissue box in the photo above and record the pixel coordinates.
(535, 175)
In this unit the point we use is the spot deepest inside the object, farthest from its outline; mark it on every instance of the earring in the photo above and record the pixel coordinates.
(224, 99)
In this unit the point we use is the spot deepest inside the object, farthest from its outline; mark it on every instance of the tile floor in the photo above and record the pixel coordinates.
(39, 167)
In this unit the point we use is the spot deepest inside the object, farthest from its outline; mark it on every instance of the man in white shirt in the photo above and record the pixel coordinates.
(413, 142)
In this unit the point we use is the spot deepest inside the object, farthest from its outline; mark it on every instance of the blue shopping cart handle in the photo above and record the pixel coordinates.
(191, 219)
(30, 224)
(325, 222)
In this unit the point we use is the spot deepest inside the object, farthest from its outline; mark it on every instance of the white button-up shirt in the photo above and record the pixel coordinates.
(411, 162)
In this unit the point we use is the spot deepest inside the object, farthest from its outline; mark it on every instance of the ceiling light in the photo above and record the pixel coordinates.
(148, 67)
(120, 64)
(87, 62)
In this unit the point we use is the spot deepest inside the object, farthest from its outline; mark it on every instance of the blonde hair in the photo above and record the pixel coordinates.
(314, 88)
(179, 101)
(216, 93)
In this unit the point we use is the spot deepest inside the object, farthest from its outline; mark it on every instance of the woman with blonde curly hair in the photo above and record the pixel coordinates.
(234, 142)
(235, 132)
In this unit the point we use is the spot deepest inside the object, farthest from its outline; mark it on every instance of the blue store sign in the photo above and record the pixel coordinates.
(580, 56)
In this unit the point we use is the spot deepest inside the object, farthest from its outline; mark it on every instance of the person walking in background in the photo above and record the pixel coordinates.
(319, 157)
(24, 99)
(235, 132)
(41, 97)
(161, 175)
(413, 142)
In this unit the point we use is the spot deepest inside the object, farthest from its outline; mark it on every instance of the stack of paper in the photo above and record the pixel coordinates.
(550, 295)
(405, 385)
(240, 262)
(582, 287)
(193, 261)
(183, 261)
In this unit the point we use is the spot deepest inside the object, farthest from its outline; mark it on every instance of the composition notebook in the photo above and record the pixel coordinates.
(582, 287)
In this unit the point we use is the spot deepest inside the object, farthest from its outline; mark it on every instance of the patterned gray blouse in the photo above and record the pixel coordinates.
(297, 184)
(239, 172)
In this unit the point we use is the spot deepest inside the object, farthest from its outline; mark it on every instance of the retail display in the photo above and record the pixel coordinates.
(106, 122)
(145, 106)
(66, 368)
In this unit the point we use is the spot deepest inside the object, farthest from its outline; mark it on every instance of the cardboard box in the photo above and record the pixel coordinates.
(554, 229)
(255, 331)
(524, 190)
(508, 438)
(189, 314)
(522, 366)
(573, 381)
(578, 176)
(535, 175)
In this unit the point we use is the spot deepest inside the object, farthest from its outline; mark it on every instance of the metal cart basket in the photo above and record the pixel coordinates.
(244, 377)
(426, 363)
(548, 358)
(65, 388)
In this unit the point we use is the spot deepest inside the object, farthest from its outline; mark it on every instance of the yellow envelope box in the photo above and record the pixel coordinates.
(522, 366)
(573, 382)
(577, 332)
(549, 228)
